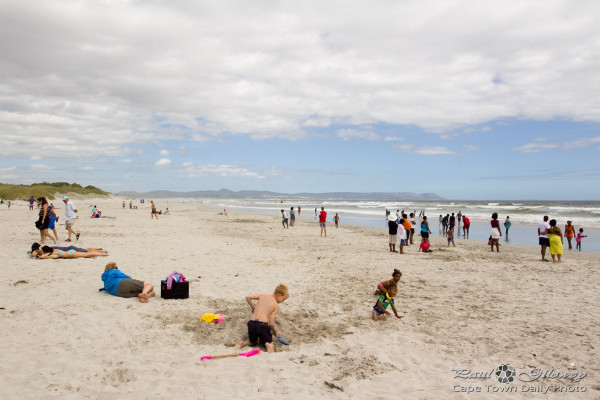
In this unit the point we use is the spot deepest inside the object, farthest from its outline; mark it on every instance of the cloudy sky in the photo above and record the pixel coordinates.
(467, 99)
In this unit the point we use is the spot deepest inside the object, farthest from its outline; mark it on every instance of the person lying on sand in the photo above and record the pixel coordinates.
(36, 246)
(263, 318)
(49, 252)
(119, 284)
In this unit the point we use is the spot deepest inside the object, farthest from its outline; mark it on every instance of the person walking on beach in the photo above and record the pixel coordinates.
(31, 201)
(459, 218)
(322, 221)
(53, 220)
(292, 216)
(44, 220)
(496, 232)
(543, 236)
(70, 217)
(451, 237)
(507, 225)
(123, 204)
(153, 213)
(336, 219)
(555, 238)
(284, 219)
(569, 233)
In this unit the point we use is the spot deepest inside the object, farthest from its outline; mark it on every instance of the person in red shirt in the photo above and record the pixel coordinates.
(424, 247)
(322, 220)
(466, 226)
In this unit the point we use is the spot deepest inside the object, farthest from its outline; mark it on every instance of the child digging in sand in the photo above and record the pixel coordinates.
(385, 300)
(263, 318)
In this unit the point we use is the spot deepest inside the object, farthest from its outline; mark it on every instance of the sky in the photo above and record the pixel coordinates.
(465, 99)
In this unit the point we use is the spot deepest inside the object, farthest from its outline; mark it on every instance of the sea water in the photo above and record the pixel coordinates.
(524, 215)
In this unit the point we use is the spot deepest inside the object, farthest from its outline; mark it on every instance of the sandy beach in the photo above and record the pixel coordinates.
(464, 308)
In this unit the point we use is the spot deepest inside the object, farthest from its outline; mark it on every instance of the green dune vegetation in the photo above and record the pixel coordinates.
(49, 190)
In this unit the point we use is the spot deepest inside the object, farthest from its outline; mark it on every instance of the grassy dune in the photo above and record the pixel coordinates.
(49, 190)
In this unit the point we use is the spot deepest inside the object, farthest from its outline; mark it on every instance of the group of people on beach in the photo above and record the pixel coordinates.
(48, 218)
(551, 237)
(448, 222)
(401, 229)
(288, 220)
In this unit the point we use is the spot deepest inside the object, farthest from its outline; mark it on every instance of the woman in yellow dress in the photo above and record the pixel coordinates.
(556, 240)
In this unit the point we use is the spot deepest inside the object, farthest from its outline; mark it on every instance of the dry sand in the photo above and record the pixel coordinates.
(463, 307)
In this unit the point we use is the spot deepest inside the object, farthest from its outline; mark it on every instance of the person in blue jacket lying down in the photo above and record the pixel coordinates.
(119, 284)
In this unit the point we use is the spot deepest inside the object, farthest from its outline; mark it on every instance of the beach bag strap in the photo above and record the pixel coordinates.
(170, 279)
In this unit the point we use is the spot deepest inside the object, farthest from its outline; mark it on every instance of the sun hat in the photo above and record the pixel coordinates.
(392, 217)
(65, 197)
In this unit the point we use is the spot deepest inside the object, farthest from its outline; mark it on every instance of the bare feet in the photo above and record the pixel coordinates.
(144, 298)
(239, 345)
(270, 347)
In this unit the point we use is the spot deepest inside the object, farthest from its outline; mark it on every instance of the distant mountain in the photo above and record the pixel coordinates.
(395, 196)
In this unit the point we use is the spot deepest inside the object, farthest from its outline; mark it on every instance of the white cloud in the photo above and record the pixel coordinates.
(41, 167)
(347, 134)
(582, 143)
(433, 150)
(200, 69)
(535, 147)
(393, 138)
(405, 147)
(222, 170)
(471, 147)
(424, 150)
(539, 144)
(163, 162)
(164, 152)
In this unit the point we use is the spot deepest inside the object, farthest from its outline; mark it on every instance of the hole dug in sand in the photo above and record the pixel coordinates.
(297, 327)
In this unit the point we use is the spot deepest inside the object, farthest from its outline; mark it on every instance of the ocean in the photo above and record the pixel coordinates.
(524, 215)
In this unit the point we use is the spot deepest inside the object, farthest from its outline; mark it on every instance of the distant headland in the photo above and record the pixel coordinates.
(225, 193)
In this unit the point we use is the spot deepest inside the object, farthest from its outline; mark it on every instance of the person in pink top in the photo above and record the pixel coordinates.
(322, 220)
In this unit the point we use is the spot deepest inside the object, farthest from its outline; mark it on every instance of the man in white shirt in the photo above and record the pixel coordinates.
(413, 224)
(543, 236)
(70, 217)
